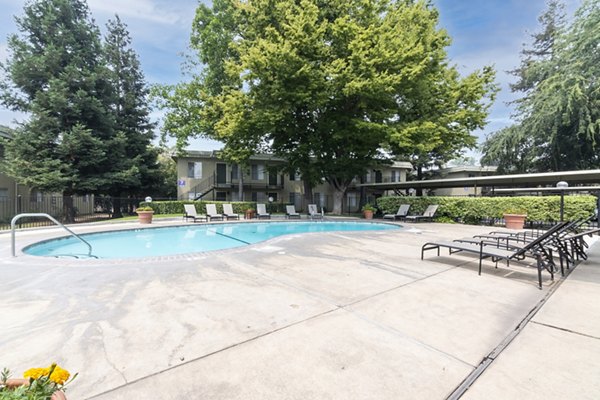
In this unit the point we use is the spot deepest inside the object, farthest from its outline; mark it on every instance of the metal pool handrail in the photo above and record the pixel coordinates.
(19, 216)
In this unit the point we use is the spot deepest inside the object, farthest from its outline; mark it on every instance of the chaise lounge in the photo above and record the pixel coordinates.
(536, 249)
(190, 212)
(426, 216)
(313, 212)
(261, 212)
(228, 212)
(400, 214)
(290, 212)
(211, 212)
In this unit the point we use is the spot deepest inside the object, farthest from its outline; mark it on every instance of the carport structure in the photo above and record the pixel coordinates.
(536, 182)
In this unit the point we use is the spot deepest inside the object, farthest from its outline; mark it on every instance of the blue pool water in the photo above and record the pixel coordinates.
(186, 239)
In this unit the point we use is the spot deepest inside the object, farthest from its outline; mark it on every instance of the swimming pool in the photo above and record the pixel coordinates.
(153, 242)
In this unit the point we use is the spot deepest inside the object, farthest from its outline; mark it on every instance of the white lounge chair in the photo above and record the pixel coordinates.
(290, 212)
(313, 212)
(401, 214)
(190, 212)
(228, 212)
(261, 212)
(211, 212)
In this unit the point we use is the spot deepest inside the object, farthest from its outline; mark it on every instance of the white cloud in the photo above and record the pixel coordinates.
(140, 9)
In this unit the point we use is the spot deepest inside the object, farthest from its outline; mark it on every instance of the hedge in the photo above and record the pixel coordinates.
(472, 210)
(176, 207)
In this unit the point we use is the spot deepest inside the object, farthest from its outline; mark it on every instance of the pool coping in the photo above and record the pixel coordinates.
(99, 227)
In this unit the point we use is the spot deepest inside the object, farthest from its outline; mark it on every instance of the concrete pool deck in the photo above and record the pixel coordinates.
(349, 315)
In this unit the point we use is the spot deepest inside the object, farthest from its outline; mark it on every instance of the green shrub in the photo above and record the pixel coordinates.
(472, 210)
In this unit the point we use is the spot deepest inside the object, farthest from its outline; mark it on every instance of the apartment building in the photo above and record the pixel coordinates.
(469, 171)
(202, 174)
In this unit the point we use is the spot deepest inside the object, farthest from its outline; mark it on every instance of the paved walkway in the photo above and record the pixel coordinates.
(318, 316)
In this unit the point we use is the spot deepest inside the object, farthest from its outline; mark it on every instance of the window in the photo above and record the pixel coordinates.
(221, 196)
(195, 170)
(295, 176)
(3, 194)
(258, 172)
(368, 177)
(395, 176)
(254, 196)
(234, 171)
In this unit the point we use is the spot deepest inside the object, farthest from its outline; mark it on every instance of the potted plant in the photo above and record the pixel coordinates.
(145, 214)
(39, 383)
(368, 211)
(514, 218)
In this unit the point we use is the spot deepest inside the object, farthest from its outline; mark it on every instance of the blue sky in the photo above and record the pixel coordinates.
(484, 32)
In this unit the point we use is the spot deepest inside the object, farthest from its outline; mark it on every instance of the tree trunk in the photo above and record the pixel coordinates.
(308, 193)
(240, 183)
(338, 201)
(116, 202)
(419, 177)
(68, 209)
(339, 191)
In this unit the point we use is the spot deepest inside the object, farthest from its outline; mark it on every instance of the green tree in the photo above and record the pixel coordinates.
(131, 160)
(165, 186)
(510, 150)
(558, 116)
(324, 84)
(55, 74)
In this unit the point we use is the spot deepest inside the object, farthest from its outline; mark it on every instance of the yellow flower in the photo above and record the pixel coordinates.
(59, 375)
(36, 373)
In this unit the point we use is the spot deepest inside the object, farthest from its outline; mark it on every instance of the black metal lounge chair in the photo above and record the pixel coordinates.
(313, 212)
(211, 211)
(427, 215)
(190, 212)
(400, 214)
(228, 212)
(290, 212)
(535, 249)
(261, 212)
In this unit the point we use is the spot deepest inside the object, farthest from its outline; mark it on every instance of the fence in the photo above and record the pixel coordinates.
(88, 208)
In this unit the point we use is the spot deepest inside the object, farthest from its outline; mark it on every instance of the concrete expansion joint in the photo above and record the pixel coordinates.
(464, 386)
(565, 330)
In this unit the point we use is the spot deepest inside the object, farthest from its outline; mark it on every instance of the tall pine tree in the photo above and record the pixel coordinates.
(54, 74)
(89, 129)
(132, 160)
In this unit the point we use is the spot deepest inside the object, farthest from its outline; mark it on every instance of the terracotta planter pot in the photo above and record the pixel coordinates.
(249, 214)
(515, 221)
(14, 383)
(368, 214)
(145, 217)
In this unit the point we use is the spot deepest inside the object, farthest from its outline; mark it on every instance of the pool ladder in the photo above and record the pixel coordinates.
(13, 222)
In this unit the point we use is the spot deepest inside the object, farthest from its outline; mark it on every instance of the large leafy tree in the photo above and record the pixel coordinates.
(558, 114)
(325, 84)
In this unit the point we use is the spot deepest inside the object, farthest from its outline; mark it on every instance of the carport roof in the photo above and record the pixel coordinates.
(519, 180)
